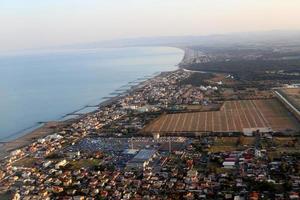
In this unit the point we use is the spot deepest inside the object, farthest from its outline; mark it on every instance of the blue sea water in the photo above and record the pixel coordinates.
(46, 85)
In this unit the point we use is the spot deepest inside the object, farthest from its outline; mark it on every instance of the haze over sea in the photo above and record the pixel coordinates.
(46, 85)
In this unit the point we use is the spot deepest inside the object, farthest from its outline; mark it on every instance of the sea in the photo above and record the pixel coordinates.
(45, 85)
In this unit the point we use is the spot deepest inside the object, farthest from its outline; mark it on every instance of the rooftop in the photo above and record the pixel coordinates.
(145, 154)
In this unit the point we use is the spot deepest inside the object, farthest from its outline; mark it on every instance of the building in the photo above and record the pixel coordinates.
(229, 165)
(61, 164)
(249, 131)
(142, 159)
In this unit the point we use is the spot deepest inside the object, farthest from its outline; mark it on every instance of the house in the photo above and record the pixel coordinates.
(61, 164)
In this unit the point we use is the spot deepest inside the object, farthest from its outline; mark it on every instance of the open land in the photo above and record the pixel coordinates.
(292, 94)
(234, 116)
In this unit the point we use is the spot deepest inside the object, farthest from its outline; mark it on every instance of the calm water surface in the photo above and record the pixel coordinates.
(46, 85)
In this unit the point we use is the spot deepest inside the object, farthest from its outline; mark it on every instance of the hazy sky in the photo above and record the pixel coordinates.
(37, 23)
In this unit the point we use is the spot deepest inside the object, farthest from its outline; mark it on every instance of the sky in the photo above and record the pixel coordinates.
(27, 24)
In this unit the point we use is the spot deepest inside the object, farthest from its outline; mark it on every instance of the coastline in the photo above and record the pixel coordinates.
(51, 127)
(47, 128)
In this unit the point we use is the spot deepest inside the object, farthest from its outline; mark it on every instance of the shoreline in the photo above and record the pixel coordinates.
(51, 127)
(47, 128)
(157, 59)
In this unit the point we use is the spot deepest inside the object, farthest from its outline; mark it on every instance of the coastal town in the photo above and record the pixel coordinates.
(170, 137)
(150, 100)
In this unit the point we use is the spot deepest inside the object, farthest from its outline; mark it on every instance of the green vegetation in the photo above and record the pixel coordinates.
(252, 70)
(5, 196)
(85, 163)
(197, 79)
(226, 144)
(25, 162)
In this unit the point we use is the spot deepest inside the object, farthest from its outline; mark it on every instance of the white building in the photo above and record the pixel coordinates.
(228, 164)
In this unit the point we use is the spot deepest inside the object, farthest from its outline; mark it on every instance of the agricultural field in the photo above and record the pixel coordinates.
(226, 144)
(233, 116)
(292, 95)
